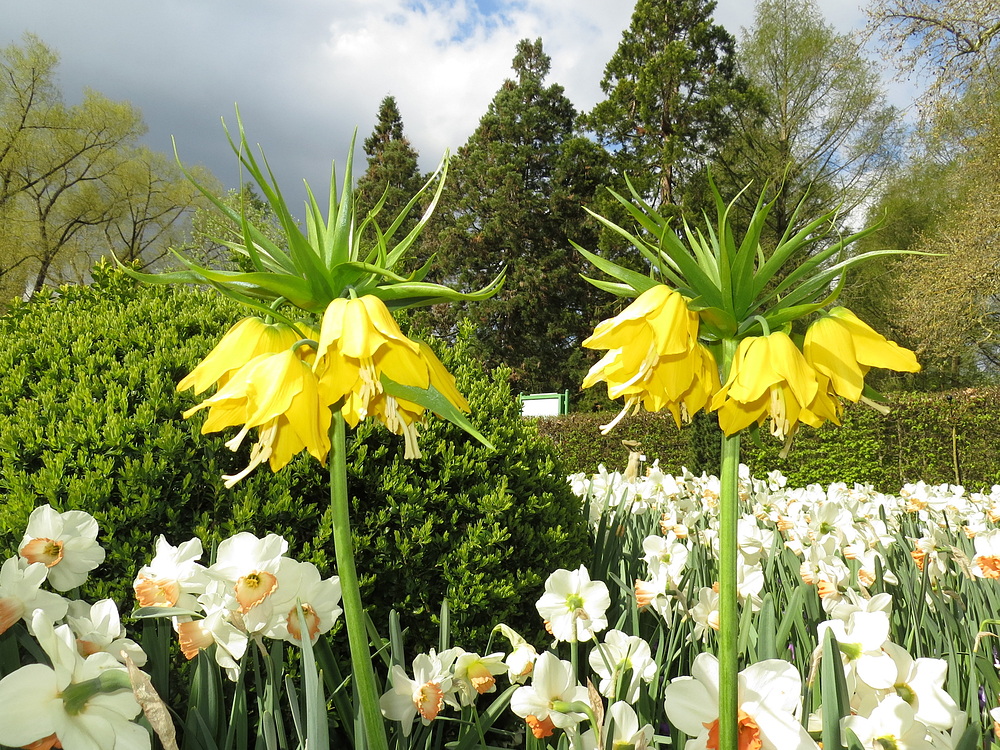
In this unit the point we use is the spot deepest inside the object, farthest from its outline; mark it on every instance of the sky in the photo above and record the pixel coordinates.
(306, 74)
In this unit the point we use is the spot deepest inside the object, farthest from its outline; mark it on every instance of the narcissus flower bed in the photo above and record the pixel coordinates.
(865, 619)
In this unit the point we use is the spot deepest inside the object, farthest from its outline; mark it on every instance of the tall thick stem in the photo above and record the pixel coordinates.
(729, 620)
(354, 615)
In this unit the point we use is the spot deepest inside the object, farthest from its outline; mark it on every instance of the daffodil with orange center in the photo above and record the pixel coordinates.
(986, 562)
(769, 378)
(769, 697)
(424, 694)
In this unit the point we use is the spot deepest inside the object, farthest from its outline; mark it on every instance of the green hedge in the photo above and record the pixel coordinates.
(924, 437)
(90, 419)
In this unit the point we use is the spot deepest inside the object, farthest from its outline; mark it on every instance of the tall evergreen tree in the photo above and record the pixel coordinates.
(513, 200)
(671, 89)
(392, 169)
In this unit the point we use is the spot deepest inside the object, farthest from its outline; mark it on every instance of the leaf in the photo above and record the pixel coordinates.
(150, 612)
(430, 398)
(833, 689)
(152, 704)
(638, 281)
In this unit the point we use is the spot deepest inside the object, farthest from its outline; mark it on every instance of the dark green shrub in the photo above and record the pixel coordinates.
(90, 419)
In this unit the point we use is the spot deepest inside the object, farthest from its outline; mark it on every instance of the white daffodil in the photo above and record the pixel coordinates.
(20, 593)
(621, 728)
(75, 704)
(892, 723)
(620, 654)
(424, 694)
(754, 542)
(842, 607)
(769, 706)
(173, 578)
(475, 675)
(986, 562)
(299, 583)
(919, 682)
(860, 640)
(705, 613)
(98, 627)
(251, 565)
(573, 606)
(655, 593)
(668, 551)
(220, 608)
(548, 701)
(65, 543)
(521, 660)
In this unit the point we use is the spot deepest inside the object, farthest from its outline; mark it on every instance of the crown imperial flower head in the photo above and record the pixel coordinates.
(654, 358)
(843, 348)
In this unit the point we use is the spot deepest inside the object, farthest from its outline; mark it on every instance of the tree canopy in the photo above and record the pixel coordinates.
(825, 135)
(672, 88)
(74, 182)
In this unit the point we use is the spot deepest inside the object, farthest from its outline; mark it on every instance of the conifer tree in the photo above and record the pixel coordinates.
(671, 90)
(513, 200)
(392, 168)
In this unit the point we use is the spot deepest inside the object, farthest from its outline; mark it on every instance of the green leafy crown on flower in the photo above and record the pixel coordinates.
(728, 281)
(335, 256)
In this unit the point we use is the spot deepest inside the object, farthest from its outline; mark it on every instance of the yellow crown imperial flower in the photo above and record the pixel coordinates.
(843, 348)
(279, 395)
(361, 348)
(244, 341)
(769, 378)
(654, 359)
(359, 341)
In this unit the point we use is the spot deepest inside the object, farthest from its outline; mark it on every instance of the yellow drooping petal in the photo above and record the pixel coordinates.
(765, 362)
(829, 349)
(872, 348)
(659, 317)
(768, 377)
(247, 339)
(826, 407)
(654, 360)
(359, 344)
(442, 380)
(278, 394)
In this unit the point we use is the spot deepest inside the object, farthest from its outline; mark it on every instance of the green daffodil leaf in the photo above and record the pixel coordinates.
(146, 613)
(432, 399)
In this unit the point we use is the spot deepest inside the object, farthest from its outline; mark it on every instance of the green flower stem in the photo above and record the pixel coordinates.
(729, 619)
(354, 615)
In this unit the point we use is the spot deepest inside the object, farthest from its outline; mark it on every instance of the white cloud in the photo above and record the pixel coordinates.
(444, 64)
